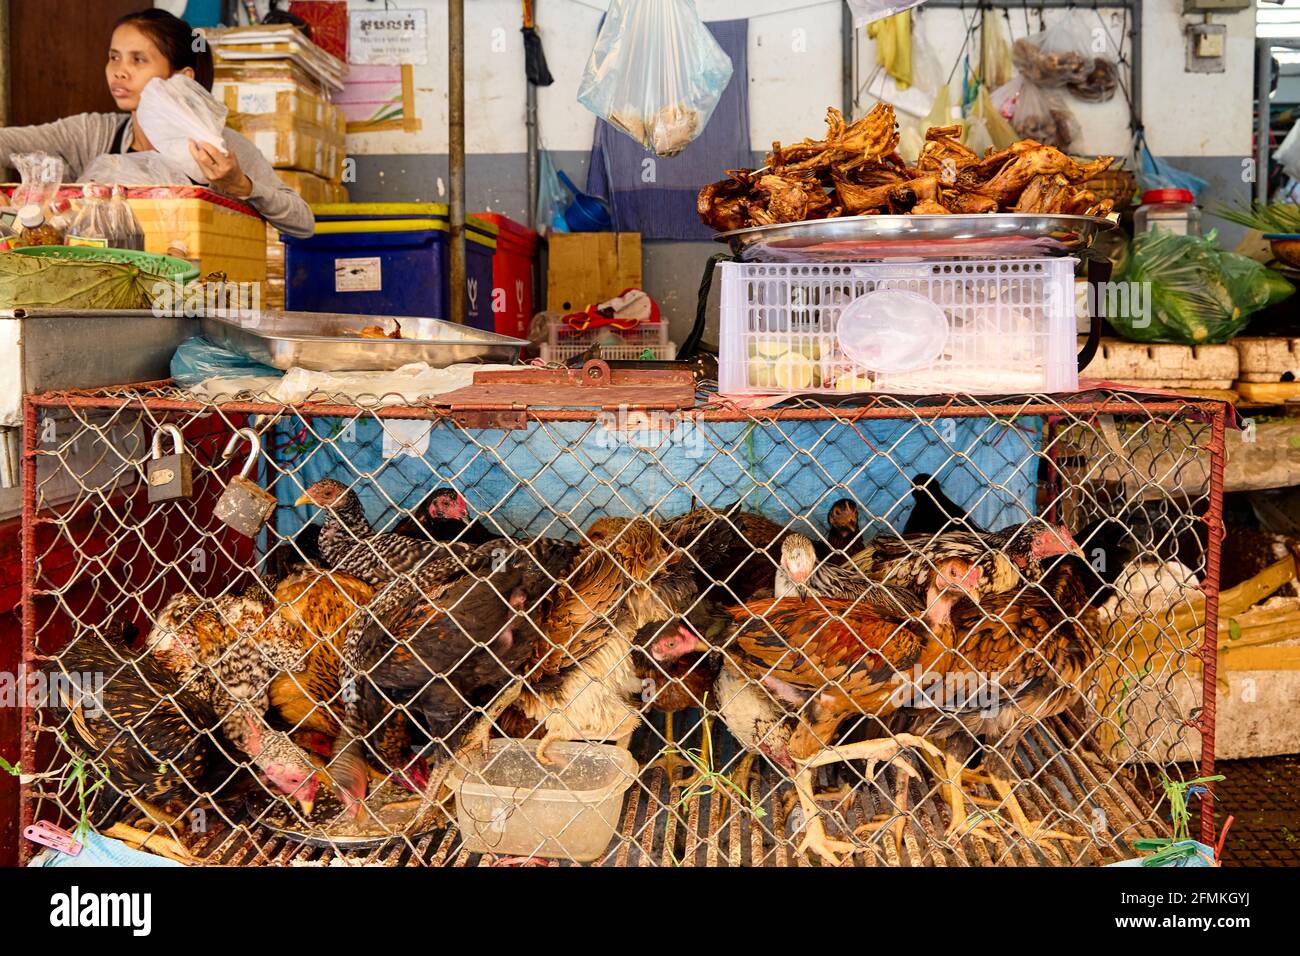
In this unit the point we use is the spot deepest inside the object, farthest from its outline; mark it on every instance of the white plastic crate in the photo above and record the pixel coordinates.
(1010, 326)
(648, 341)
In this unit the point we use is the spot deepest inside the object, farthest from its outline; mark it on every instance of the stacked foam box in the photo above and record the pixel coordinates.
(277, 85)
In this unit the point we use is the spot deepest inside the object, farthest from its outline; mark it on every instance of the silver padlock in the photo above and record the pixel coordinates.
(169, 477)
(245, 505)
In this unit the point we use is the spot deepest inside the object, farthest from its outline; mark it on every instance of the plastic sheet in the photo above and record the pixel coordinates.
(656, 73)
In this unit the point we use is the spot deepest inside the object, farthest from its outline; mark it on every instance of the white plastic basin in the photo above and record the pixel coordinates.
(509, 804)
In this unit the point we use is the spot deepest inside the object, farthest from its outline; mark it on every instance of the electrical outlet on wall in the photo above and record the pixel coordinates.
(1206, 47)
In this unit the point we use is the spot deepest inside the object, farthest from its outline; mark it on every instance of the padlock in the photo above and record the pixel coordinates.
(244, 506)
(169, 477)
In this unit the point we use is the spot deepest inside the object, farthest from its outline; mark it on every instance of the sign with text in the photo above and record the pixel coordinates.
(389, 37)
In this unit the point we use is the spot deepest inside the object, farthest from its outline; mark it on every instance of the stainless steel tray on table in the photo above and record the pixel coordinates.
(991, 235)
(327, 341)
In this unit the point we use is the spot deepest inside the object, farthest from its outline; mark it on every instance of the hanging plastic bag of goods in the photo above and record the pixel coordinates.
(867, 11)
(656, 73)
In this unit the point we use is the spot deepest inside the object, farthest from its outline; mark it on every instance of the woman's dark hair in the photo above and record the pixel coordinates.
(175, 39)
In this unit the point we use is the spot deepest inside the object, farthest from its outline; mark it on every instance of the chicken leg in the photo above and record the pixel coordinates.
(872, 751)
(1035, 833)
(671, 759)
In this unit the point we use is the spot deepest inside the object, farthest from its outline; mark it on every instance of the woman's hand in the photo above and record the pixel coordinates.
(222, 171)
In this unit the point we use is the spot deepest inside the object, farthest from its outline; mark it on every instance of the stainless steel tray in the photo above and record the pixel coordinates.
(326, 341)
(878, 237)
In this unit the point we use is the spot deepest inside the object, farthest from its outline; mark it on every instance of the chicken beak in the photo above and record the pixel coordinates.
(303, 499)
(307, 803)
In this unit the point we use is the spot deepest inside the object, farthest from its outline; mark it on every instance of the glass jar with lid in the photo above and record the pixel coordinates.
(1173, 210)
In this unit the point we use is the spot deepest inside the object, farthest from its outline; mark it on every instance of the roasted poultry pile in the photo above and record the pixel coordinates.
(388, 655)
(854, 170)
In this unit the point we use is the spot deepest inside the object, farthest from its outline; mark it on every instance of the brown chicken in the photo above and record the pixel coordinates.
(830, 659)
(1031, 651)
(582, 683)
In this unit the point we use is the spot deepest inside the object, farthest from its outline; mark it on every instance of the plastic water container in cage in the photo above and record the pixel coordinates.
(509, 804)
(890, 330)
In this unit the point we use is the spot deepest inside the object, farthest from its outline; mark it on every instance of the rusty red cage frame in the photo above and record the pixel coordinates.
(711, 409)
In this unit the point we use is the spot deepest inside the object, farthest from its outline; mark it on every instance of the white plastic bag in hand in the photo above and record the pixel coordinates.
(176, 110)
(865, 11)
(656, 73)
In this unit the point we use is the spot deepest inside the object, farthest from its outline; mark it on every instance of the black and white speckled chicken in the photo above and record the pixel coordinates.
(349, 544)
(163, 744)
(800, 576)
(1005, 558)
(227, 651)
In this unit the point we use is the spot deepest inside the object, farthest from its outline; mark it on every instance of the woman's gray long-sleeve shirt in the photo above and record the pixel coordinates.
(83, 138)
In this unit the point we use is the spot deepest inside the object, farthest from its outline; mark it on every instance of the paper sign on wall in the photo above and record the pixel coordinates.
(389, 37)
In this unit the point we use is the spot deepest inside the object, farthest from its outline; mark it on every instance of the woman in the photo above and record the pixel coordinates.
(148, 44)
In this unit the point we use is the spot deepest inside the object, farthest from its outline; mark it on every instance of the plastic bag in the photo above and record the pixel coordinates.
(656, 73)
(986, 127)
(865, 11)
(552, 198)
(126, 230)
(1198, 295)
(1158, 174)
(911, 136)
(926, 77)
(1069, 54)
(134, 169)
(176, 110)
(196, 360)
(995, 51)
(41, 174)
(91, 226)
(1036, 114)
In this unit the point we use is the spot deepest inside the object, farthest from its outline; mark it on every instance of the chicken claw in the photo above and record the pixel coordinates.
(873, 752)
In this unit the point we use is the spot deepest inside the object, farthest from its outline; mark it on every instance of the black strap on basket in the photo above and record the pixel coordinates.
(691, 344)
(1098, 270)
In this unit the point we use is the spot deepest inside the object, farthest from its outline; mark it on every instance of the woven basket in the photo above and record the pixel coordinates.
(1119, 185)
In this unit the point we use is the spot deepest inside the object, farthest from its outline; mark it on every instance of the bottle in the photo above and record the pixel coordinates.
(61, 214)
(8, 219)
(35, 230)
(1173, 210)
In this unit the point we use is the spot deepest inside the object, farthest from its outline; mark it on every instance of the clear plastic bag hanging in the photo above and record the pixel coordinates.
(867, 11)
(656, 73)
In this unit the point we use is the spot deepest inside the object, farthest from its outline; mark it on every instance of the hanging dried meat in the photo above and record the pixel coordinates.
(855, 170)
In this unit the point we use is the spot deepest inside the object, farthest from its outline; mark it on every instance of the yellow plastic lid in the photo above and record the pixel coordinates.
(434, 210)
(481, 239)
(381, 225)
(482, 225)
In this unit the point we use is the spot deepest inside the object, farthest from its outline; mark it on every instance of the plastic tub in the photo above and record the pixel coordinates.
(890, 330)
(178, 270)
(509, 804)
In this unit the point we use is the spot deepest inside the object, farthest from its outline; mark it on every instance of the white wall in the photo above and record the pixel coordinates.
(794, 67)
(1186, 114)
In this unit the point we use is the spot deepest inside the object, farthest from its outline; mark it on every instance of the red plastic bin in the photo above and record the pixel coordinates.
(512, 275)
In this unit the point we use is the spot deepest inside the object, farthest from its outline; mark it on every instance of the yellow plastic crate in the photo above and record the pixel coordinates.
(221, 238)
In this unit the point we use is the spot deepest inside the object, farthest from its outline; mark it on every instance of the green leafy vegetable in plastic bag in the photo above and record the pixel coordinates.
(1186, 290)
(37, 282)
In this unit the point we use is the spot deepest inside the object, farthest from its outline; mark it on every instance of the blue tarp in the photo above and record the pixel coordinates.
(524, 479)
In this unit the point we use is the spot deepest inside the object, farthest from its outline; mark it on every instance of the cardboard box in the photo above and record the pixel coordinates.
(589, 267)
(254, 99)
(288, 143)
(313, 189)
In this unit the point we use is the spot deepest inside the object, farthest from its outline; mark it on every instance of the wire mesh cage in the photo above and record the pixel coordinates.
(899, 633)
